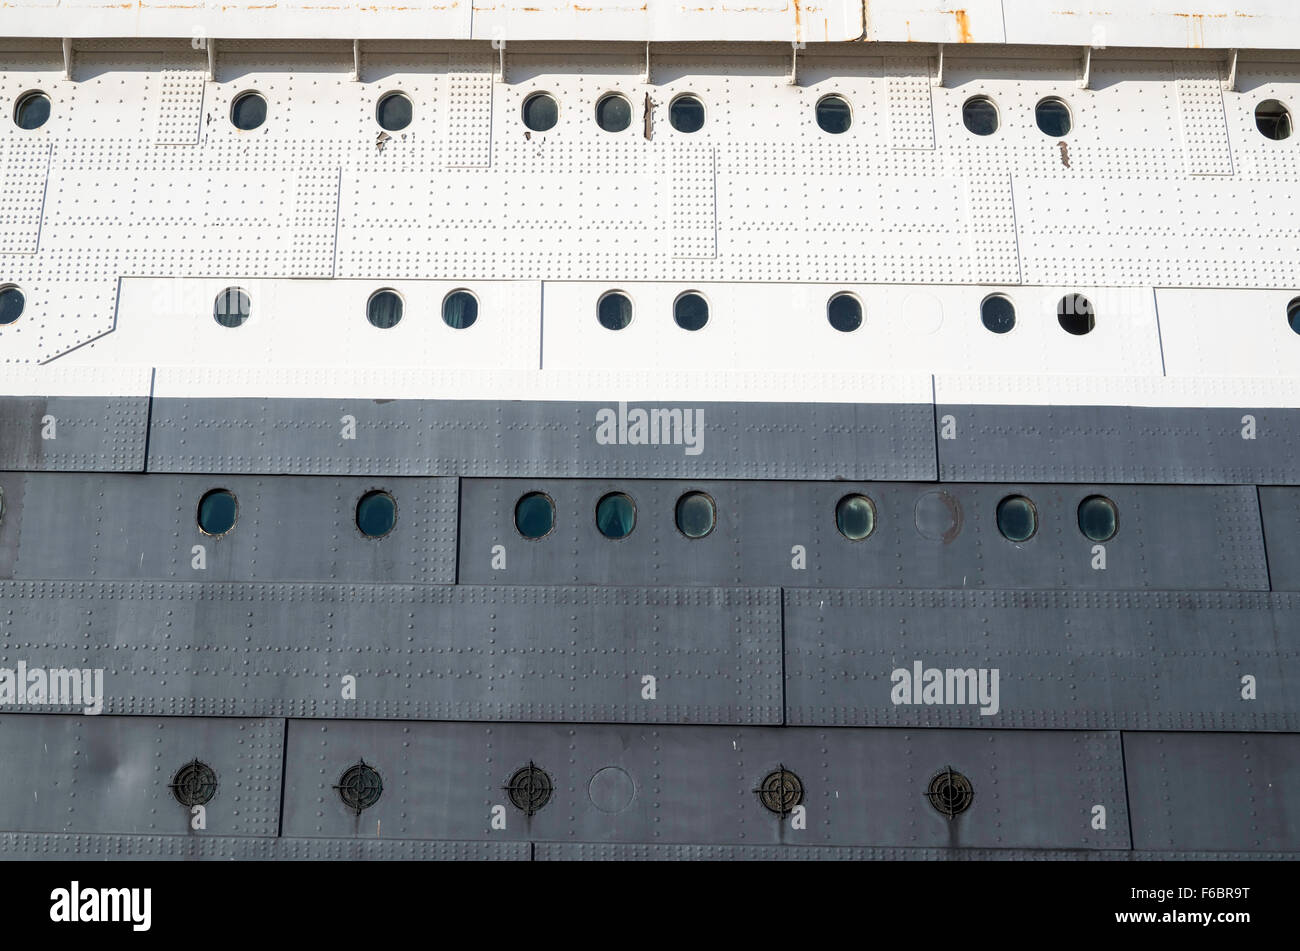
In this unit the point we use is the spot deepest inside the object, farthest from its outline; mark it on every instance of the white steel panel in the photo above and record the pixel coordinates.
(1214, 332)
(1205, 127)
(1195, 24)
(908, 329)
(911, 120)
(76, 381)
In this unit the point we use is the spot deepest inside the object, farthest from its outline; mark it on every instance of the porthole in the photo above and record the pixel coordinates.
(376, 514)
(360, 787)
(248, 111)
(613, 113)
(218, 512)
(32, 110)
(980, 115)
(394, 112)
(1292, 315)
(615, 515)
(998, 314)
(834, 115)
(696, 515)
(1273, 119)
(459, 310)
(12, 303)
(780, 791)
(691, 311)
(384, 309)
(686, 114)
(232, 307)
(541, 112)
(855, 517)
(844, 311)
(1053, 117)
(1098, 518)
(950, 793)
(1017, 518)
(530, 789)
(194, 784)
(1074, 314)
(535, 515)
(614, 310)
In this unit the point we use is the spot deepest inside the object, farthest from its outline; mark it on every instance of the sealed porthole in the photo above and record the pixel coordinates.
(615, 515)
(218, 512)
(530, 789)
(1273, 119)
(1017, 518)
(360, 787)
(696, 515)
(950, 793)
(384, 309)
(535, 515)
(980, 115)
(780, 791)
(613, 112)
(541, 112)
(1098, 518)
(686, 114)
(844, 311)
(1292, 315)
(1053, 117)
(459, 310)
(12, 303)
(834, 115)
(194, 784)
(691, 311)
(998, 314)
(376, 514)
(614, 310)
(1074, 314)
(394, 112)
(232, 307)
(248, 111)
(32, 110)
(855, 517)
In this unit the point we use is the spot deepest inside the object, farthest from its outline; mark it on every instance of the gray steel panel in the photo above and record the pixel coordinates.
(91, 433)
(517, 438)
(1170, 537)
(1214, 790)
(663, 852)
(289, 528)
(453, 652)
(1066, 660)
(1119, 444)
(695, 784)
(80, 773)
(1280, 511)
(44, 846)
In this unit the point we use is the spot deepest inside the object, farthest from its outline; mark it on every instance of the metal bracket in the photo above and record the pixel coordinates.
(647, 62)
(938, 72)
(67, 57)
(1085, 73)
(1230, 84)
(794, 62)
(356, 61)
(212, 61)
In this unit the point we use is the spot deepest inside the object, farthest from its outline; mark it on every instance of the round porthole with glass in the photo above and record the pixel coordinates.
(855, 517)
(696, 515)
(1017, 518)
(1273, 120)
(1053, 117)
(12, 303)
(384, 309)
(541, 112)
(613, 112)
(1098, 518)
(691, 311)
(1075, 315)
(834, 114)
(232, 307)
(615, 515)
(686, 114)
(218, 512)
(844, 311)
(614, 310)
(980, 115)
(31, 110)
(535, 515)
(248, 111)
(460, 310)
(376, 514)
(998, 314)
(394, 112)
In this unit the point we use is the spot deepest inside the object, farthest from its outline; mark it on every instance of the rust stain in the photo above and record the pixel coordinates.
(798, 27)
(1065, 153)
(963, 25)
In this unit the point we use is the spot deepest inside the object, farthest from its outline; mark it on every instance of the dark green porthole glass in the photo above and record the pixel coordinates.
(696, 515)
(855, 517)
(1017, 518)
(376, 514)
(615, 515)
(218, 512)
(1098, 518)
(535, 515)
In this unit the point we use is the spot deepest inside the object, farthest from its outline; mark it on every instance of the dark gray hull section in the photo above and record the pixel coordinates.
(556, 439)
(74, 433)
(1066, 660)
(1119, 444)
(417, 652)
(695, 784)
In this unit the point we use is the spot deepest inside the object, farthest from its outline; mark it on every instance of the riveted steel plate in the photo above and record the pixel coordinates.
(287, 528)
(1063, 660)
(697, 784)
(454, 652)
(924, 536)
(80, 773)
(512, 438)
(662, 852)
(1280, 510)
(1120, 444)
(1214, 790)
(47, 847)
(73, 433)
